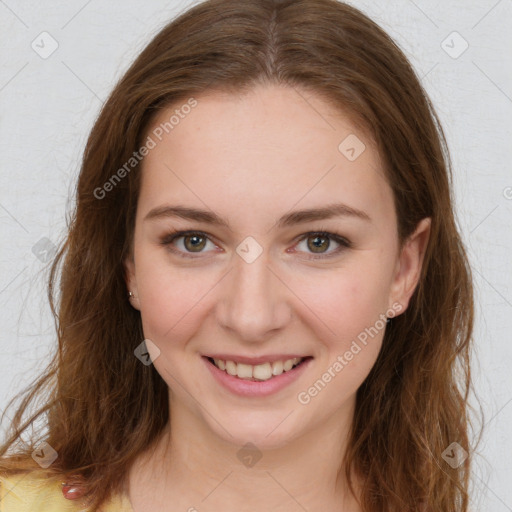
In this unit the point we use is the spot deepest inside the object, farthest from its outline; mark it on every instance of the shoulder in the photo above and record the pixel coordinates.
(32, 491)
(36, 492)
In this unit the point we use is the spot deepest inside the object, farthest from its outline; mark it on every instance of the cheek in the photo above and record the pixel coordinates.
(349, 300)
(168, 299)
(351, 306)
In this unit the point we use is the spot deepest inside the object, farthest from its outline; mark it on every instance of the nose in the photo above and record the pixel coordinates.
(254, 303)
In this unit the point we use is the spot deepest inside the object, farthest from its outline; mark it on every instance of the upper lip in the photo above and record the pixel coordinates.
(254, 360)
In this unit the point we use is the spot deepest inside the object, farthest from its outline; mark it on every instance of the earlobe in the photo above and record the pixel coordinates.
(410, 263)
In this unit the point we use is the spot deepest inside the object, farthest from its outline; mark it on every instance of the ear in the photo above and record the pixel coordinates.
(131, 281)
(409, 264)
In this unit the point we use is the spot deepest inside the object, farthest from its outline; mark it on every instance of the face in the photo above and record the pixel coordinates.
(255, 282)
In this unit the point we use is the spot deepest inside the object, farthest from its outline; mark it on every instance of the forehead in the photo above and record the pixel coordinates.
(274, 146)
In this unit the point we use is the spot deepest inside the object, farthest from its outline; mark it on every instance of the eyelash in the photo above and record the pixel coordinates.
(173, 235)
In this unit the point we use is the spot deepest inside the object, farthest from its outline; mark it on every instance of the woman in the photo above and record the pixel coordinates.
(264, 299)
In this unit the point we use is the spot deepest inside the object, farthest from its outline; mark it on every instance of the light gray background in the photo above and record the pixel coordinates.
(48, 105)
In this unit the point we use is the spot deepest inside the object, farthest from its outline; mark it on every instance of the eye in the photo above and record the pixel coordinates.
(318, 242)
(195, 241)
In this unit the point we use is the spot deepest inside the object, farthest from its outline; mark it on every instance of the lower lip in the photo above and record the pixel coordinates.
(256, 388)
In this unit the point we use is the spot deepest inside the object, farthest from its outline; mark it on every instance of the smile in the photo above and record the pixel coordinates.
(256, 380)
(259, 372)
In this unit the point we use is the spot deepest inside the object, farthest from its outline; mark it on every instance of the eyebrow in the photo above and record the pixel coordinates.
(287, 220)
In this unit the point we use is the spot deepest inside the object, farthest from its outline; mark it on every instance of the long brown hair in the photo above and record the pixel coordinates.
(104, 407)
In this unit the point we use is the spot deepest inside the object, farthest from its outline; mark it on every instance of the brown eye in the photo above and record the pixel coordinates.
(319, 243)
(194, 242)
(187, 243)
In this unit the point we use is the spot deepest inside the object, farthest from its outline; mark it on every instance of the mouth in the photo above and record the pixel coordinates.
(262, 372)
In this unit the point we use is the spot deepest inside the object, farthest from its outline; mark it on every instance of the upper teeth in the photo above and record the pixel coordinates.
(263, 371)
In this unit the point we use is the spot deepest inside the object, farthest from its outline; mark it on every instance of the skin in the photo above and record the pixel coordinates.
(251, 159)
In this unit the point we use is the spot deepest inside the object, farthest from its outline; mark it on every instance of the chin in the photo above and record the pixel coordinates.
(265, 430)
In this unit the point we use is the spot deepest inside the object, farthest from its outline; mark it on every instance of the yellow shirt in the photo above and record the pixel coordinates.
(32, 492)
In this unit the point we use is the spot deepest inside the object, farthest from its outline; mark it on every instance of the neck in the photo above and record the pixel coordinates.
(193, 467)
